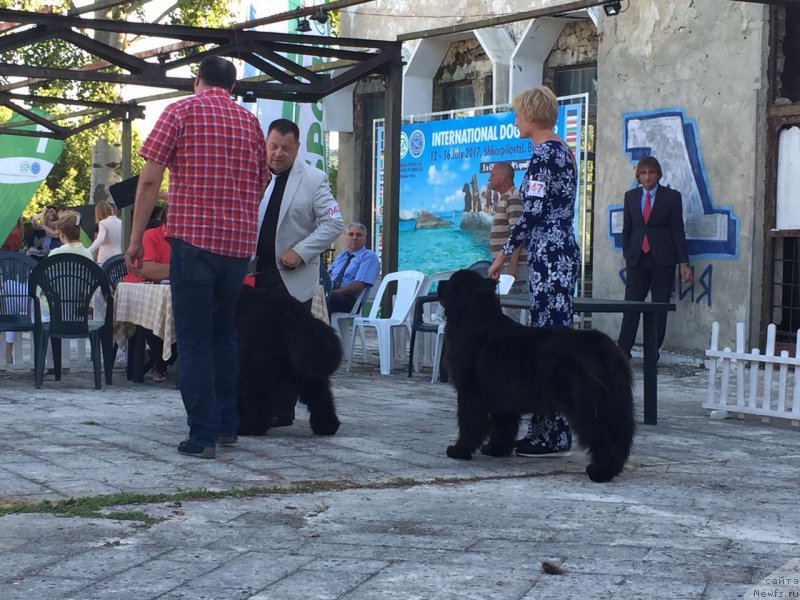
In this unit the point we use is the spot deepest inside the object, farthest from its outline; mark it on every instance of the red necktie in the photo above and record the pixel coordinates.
(646, 216)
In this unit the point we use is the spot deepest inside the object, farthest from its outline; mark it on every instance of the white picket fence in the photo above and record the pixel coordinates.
(76, 354)
(753, 383)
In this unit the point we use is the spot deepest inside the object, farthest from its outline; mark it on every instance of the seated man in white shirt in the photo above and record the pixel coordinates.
(352, 270)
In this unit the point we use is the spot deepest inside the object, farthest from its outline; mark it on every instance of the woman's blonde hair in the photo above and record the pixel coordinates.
(537, 104)
(102, 210)
(68, 224)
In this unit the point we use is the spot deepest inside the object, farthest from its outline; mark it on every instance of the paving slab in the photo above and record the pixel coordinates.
(705, 508)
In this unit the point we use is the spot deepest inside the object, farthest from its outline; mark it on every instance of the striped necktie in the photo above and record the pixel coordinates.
(337, 283)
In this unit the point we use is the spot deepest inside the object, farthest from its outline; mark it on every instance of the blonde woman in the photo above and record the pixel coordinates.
(546, 228)
(108, 242)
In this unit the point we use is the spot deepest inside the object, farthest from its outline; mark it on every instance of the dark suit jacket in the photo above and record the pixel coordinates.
(664, 229)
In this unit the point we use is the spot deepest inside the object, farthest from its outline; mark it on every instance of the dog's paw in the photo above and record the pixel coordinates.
(324, 427)
(599, 474)
(456, 452)
(494, 450)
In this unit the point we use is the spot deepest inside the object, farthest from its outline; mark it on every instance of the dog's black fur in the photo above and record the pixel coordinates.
(502, 369)
(284, 352)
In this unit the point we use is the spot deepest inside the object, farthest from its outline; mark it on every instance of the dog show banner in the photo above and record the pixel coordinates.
(446, 207)
(25, 162)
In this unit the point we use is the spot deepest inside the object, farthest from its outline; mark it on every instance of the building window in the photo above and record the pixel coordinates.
(786, 289)
(781, 304)
(459, 95)
(578, 80)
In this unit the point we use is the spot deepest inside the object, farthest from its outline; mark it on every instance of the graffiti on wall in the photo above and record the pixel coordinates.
(694, 292)
(671, 137)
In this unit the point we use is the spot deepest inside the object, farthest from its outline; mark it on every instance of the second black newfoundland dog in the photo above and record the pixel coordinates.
(284, 353)
(502, 369)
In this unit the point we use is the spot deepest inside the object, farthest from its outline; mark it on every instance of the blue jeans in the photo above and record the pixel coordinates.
(205, 293)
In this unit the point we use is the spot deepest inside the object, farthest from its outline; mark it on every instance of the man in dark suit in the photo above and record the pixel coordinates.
(653, 242)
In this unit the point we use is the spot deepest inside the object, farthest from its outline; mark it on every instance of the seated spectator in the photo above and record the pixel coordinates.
(14, 240)
(155, 260)
(45, 223)
(154, 269)
(352, 270)
(36, 245)
(68, 227)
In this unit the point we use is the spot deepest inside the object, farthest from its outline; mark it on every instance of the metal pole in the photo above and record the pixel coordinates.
(391, 165)
(126, 146)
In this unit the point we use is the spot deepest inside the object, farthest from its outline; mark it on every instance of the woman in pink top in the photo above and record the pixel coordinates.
(108, 242)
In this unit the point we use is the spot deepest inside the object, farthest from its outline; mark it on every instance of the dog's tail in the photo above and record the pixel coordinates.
(602, 413)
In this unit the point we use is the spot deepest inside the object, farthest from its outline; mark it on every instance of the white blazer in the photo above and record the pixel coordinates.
(309, 222)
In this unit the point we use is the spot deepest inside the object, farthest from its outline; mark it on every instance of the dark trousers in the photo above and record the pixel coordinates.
(339, 302)
(645, 276)
(269, 278)
(205, 293)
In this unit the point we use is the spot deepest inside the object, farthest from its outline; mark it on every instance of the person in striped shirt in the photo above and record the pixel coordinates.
(507, 212)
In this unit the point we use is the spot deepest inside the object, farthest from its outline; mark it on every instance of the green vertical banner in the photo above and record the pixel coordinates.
(308, 117)
(25, 162)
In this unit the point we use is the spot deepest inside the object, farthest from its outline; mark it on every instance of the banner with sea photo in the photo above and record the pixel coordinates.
(446, 208)
(25, 162)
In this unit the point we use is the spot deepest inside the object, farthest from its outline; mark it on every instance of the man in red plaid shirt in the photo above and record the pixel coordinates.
(215, 152)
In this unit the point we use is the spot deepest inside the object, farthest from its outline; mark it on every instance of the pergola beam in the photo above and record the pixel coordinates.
(776, 2)
(556, 8)
(285, 78)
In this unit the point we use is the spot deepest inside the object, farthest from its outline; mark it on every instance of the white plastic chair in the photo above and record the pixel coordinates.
(408, 284)
(342, 321)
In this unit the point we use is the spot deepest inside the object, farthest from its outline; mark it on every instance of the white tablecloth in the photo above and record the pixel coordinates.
(148, 305)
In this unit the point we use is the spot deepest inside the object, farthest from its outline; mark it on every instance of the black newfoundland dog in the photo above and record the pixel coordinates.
(502, 369)
(284, 353)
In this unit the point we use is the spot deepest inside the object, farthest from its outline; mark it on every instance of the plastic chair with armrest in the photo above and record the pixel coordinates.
(428, 314)
(482, 267)
(16, 307)
(325, 280)
(68, 282)
(408, 284)
(115, 269)
(342, 322)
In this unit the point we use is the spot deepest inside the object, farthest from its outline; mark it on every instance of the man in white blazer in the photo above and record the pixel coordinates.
(298, 217)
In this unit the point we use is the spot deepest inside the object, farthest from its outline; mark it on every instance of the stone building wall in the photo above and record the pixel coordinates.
(684, 80)
(464, 61)
(696, 102)
(577, 45)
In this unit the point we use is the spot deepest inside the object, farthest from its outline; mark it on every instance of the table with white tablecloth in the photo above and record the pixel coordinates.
(139, 306)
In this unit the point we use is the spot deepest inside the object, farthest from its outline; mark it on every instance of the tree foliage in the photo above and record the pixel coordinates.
(69, 181)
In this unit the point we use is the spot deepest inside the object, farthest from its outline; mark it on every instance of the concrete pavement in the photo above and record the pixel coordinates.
(705, 509)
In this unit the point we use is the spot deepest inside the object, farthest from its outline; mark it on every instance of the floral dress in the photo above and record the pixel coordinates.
(546, 227)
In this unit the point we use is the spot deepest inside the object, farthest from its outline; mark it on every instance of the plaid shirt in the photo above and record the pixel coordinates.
(216, 155)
